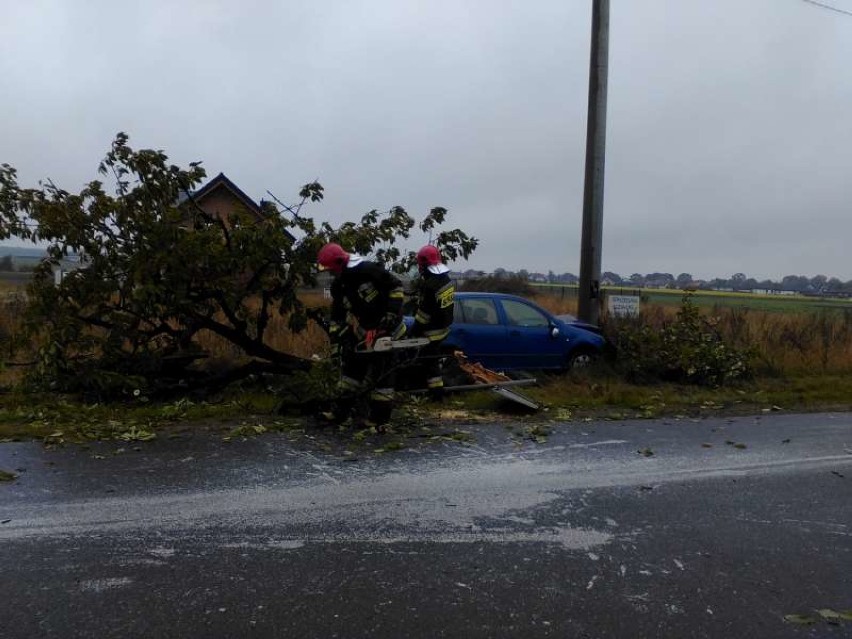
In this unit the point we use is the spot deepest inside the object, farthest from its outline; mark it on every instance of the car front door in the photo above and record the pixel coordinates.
(531, 343)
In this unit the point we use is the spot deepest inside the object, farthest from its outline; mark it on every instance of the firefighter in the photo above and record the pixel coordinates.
(373, 297)
(435, 292)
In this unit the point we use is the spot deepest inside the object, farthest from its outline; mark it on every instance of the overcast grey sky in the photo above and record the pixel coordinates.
(729, 129)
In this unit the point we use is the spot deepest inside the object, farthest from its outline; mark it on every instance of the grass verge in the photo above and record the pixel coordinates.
(600, 396)
(248, 412)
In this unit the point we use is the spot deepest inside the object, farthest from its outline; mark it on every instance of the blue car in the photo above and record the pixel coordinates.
(510, 333)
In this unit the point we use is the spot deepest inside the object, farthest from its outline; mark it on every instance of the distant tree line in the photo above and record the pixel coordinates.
(816, 285)
(8, 265)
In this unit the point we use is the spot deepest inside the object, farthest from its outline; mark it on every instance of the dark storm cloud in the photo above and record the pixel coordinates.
(729, 136)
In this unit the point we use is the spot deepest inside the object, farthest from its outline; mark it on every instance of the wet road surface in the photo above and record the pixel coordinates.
(717, 528)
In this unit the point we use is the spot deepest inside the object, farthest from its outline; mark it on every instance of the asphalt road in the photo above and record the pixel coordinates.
(719, 528)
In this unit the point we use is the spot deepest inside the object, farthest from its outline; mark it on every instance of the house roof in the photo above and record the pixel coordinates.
(222, 181)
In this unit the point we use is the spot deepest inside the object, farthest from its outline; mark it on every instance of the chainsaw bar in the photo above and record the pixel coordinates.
(384, 344)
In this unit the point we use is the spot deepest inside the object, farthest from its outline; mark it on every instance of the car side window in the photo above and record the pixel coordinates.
(476, 311)
(520, 314)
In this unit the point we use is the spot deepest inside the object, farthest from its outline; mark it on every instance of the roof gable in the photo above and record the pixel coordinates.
(222, 181)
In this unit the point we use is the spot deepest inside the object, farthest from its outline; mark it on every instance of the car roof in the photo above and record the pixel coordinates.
(501, 296)
(508, 296)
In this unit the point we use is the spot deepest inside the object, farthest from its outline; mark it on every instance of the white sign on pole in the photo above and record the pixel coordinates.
(622, 305)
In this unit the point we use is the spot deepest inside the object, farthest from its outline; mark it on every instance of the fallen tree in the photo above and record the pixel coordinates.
(157, 271)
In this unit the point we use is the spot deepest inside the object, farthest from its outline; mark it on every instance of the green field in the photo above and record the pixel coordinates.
(752, 301)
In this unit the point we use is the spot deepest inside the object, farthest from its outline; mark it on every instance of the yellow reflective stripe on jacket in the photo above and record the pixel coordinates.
(446, 295)
(422, 318)
(399, 331)
(437, 335)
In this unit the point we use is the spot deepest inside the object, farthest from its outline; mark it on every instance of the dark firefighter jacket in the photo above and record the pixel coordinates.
(370, 293)
(435, 294)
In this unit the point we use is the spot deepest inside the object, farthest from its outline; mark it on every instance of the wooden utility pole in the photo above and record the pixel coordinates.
(593, 191)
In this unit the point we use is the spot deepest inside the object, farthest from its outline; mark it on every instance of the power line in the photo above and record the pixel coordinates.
(829, 7)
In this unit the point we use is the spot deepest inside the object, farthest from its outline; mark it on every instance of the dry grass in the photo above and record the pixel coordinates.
(12, 306)
(557, 305)
(311, 341)
(801, 343)
(818, 343)
(804, 343)
(805, 364)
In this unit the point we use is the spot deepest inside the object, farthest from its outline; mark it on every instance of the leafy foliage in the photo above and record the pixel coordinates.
(688, 349)
(158, 271)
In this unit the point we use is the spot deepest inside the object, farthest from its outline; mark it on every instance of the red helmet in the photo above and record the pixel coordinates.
(332, 257)
(428, 256)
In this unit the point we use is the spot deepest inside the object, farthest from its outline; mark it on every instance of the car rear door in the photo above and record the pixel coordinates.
(477, 330)
(530, 343)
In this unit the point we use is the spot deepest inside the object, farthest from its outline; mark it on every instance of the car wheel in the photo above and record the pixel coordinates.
(582, 357)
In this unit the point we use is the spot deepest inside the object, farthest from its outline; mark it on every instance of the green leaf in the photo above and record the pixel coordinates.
(7, 476)
(801, 620)
(828, 614)
(563, 414)
(135, 434)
